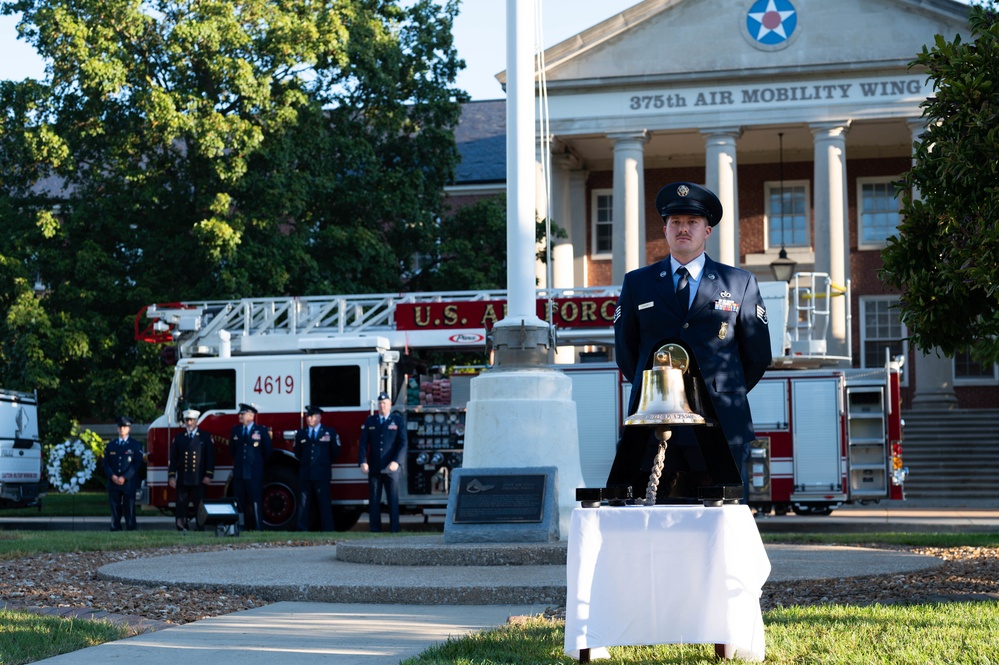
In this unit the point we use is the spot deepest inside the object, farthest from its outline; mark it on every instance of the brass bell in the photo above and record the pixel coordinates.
(664, 399)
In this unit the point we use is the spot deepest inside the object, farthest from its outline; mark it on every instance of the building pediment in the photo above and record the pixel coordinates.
(657, 41)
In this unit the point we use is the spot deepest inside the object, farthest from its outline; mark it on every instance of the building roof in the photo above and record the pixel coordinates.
(481, 139)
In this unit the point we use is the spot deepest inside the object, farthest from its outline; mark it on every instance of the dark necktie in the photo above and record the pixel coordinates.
(683, 290)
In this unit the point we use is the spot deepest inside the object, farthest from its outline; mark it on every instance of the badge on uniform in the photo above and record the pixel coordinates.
(617, 313)
(723, 331)
(726, 305)
(393, 426)
(761, 313)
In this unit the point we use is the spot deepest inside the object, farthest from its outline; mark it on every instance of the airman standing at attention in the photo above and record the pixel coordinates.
(192, 465)
(250, 446)
(316, 446)
(382, 452)
(122, 461)
(716, 310)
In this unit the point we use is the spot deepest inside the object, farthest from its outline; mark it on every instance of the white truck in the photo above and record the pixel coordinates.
(22, 483)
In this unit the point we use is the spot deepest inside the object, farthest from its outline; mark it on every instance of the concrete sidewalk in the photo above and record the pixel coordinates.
(322, 607)
(290, 632)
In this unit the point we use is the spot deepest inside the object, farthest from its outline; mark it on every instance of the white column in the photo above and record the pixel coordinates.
(541, 208)
(832, 228)
(629, 203)
(933, 371)
(579, 223)
(721, 177)
(562, 248)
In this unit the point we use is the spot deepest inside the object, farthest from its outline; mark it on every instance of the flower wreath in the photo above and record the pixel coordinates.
(70, 465)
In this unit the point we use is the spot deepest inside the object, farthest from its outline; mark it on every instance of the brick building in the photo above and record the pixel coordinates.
(800, 114)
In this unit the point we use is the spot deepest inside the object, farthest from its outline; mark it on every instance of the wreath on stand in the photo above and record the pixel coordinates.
(70, 465)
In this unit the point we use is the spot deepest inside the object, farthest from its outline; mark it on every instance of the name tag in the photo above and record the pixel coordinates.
(646, 305)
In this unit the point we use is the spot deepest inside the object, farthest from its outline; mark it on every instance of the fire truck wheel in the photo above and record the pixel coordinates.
(344, 518)
(813, 509)
(280, 499)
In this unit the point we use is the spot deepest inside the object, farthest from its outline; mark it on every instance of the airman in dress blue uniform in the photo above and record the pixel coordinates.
(122, 461)
(192, 466)
(714, 309)
(316, 446)
(382, 451)
(250, 446)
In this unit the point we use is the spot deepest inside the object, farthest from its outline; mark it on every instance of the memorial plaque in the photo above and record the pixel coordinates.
(500, 499)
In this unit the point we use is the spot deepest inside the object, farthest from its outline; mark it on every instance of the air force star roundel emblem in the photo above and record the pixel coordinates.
(771, 23)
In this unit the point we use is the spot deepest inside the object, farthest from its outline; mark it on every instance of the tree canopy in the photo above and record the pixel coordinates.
(946, 256)
(207, 149)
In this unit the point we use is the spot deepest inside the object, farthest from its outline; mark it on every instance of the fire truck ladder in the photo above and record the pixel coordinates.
(811, 294)
(199, 326)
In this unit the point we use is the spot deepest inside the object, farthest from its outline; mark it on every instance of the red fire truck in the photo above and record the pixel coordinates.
(338, 352)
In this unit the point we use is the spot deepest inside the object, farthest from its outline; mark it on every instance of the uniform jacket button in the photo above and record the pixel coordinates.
(686, 325)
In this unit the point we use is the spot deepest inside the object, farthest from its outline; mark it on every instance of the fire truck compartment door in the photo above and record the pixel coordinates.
(598, 416)
(768, 403)
(816, 425)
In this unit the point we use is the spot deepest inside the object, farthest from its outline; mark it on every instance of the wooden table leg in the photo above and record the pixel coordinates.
(584, 655)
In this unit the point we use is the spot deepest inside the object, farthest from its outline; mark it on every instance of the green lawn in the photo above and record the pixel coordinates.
(930, 633)
(25, 638)
(830, 635)
(81, 504)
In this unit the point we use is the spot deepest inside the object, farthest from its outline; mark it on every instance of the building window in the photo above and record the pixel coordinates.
(878, 218)
(966, 370)
(787, 214)
(881, 329)
(603, 222)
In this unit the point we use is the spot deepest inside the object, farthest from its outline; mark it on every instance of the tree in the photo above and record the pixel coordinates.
(945, 258)
(195, 149)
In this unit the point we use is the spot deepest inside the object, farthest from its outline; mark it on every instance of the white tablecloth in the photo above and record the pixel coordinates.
(665, 575)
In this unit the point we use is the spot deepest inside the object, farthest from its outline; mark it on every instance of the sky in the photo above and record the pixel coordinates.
(480, 37)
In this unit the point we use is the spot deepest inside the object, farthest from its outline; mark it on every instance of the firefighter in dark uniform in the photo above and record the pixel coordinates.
(382, 451)
(715, 309)
(192, 466)
(122, 461)
(316, 446)
(250, 447)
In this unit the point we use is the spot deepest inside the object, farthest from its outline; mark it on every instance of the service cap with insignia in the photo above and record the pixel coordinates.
(313, 411)
(383, 395)
(243, 408)
(687, 198)
(193, 414)
(123, 421)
